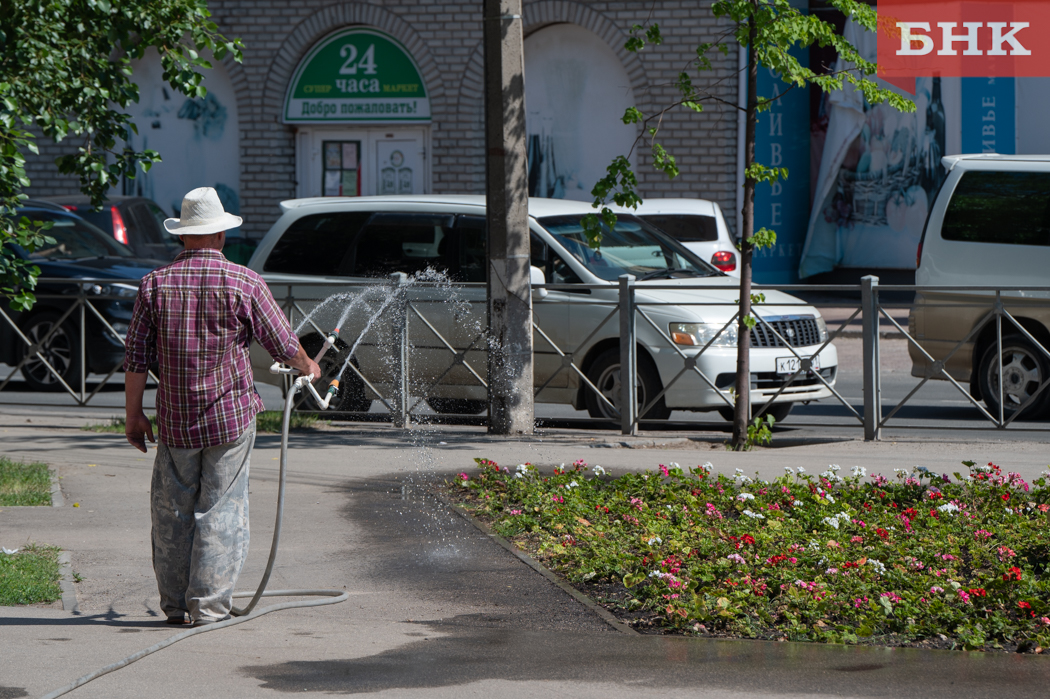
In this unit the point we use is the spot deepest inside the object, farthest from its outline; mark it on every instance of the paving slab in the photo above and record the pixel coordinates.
(436, 608)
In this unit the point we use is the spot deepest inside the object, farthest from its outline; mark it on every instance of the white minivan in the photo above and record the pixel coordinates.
(989, 226)
(342, 244)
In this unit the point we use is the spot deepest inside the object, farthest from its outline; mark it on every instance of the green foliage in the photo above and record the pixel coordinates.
(29, 576)
(66, 70)
(760, 432)
(830, 558)
(24, 484)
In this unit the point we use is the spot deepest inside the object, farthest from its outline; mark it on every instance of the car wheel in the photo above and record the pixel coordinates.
(457, 406)
(351, 393)
(62, 352)
(605, 375)
(1025, 368)
(779, 411)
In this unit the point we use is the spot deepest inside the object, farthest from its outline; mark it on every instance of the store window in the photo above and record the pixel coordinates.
(342, 168)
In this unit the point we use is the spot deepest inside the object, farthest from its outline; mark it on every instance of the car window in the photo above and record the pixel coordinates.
(633, 247)
(1010, 208)
(688, 228)
(101, 219)
(316, 244)
(75, 239)
(406, 243)
(470, 238)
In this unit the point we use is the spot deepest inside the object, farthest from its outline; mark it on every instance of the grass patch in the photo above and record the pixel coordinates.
(29, 576)
(925, 559)
(24, 484)
(270, 421)
(266, 421)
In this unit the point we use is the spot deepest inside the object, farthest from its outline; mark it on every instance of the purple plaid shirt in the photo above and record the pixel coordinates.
(198, 317)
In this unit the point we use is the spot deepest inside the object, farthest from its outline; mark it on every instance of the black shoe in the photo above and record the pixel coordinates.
(205, 622)
(179, 620)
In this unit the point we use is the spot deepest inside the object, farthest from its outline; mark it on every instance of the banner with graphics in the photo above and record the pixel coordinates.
(357, 75)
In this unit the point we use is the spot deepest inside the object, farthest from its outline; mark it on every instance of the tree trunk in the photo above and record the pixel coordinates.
(743, 364)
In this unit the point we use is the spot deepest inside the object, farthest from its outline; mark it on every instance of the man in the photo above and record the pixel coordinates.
(197, 318)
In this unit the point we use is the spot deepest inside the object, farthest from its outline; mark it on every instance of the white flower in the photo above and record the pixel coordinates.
(599, 471)
(573, 484)
(832, 522)
(519, 474)
(789, 469)
(797, 503)
(739, 470)
(655, 539)
(830, 499)
(523, 468)
(753, 515)
(745, 496)
(949, 507)
(877, 565)
(801, 470)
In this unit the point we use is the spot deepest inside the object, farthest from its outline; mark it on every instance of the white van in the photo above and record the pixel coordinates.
(697, 224)
(989, 226)
(341, 241)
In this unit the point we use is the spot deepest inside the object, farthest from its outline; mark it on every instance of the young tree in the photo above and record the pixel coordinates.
(65, 70)
(768, 30)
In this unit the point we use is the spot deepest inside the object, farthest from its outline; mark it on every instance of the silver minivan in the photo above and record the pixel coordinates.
(336, 244)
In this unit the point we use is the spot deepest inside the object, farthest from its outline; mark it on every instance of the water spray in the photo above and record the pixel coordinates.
(241, 615)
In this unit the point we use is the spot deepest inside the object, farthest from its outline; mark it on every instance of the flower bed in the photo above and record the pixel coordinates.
(924, 559)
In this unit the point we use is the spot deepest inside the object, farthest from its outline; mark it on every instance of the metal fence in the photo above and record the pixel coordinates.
(625, 317)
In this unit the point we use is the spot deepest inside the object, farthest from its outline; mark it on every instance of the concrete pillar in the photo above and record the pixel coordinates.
(506, 186)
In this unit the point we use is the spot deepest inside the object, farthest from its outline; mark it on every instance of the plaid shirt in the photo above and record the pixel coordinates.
(198, 317)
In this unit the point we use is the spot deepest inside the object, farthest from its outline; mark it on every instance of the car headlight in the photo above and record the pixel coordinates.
(822, 329)
(699, 334)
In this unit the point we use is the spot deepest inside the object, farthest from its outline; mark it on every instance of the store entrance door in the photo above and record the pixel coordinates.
(361, 162)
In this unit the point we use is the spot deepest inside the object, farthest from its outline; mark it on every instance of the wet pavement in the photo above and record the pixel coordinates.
(436, 608)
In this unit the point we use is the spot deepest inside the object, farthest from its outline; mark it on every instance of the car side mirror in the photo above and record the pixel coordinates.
(536, 277)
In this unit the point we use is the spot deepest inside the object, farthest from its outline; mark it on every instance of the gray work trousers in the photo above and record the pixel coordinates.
(199, 503)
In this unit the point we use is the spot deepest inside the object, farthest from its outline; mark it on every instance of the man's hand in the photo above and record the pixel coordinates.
(136, 429)
(304, 364)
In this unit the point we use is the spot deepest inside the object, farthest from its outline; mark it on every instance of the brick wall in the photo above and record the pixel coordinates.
(445, 40)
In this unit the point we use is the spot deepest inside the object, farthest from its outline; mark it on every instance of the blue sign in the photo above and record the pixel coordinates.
(782, 140)
(988, 118)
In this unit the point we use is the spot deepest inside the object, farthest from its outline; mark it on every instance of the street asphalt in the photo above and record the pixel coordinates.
(436, 608)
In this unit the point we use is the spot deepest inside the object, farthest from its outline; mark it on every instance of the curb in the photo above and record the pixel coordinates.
(528, 560)
(56, 490)
(69, 593)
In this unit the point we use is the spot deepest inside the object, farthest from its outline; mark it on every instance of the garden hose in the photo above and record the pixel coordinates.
(246, 614)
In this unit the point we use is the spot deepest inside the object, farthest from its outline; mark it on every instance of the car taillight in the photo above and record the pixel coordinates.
(69, 207)
(724, 260)
(120, 231)
(918, 256)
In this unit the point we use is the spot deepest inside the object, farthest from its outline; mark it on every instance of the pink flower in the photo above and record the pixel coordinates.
(859, 601)
(515, 512)
(1005, 553)
(558, 498)
(982, 534)
(965, 596)
(665, 471)
(464, 476)
(936, 590)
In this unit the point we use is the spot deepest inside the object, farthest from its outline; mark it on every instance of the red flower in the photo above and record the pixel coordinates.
(883, 533)
(748, 539)
(1024, 605)
(1013, 574)
(911, 512)
(1005, 497)
(978, 592)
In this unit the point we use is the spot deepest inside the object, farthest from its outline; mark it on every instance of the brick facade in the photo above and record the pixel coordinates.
(445, 40)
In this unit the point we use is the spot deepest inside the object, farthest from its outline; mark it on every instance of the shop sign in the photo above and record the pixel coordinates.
(357, 75)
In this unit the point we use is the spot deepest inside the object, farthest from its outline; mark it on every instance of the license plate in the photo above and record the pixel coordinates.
(789, 365)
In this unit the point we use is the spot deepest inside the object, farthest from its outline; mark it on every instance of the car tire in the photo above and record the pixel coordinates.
(779, 411)
(62, 352)
(605, 374)
(1025, 368)
(457, 406)
(350, 396)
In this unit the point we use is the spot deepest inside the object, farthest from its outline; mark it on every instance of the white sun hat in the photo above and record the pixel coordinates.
(201, 214)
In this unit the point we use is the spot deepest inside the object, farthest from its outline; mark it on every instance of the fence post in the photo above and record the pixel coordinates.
(628, 358)
(83, 346)
(869, 304)
(400, 383)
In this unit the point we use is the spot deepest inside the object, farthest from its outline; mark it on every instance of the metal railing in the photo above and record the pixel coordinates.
(626, 316)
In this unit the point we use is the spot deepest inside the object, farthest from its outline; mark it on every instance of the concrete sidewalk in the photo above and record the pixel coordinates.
(436, 608)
